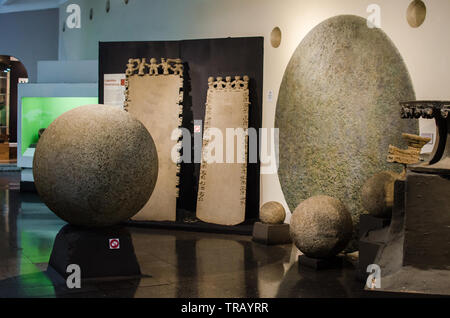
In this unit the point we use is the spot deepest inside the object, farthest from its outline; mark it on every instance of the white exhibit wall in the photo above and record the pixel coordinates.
(424, 49)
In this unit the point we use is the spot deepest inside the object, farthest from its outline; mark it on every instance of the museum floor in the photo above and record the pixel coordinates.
(174, 263)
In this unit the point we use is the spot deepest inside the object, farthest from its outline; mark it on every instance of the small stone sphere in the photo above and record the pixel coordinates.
(95, 166)
(321, 227)
(272, 213)
(377, 194)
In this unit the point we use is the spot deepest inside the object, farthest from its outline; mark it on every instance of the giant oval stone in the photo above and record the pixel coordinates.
(95, 166)
(338, 111)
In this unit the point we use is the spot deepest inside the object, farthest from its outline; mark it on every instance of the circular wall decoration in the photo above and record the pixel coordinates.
(275, 37)
(416, 13)
(108, 5)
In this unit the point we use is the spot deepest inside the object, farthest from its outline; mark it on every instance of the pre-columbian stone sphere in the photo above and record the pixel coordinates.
(272, 213)
(95, 166)
(321, 227)
(377, 194)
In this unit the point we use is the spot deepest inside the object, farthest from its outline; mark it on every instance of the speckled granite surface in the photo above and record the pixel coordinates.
(95, 166)
(321, 227)
(338, 111)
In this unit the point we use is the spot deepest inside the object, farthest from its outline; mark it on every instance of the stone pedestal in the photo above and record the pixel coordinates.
(369, 223)
(416, 257)
(320, 264)
(372, 235)
(427, 221)
(271, 234)
(93, 251)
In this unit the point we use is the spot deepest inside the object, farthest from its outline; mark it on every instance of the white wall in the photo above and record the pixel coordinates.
(425, 50)
(30, 36)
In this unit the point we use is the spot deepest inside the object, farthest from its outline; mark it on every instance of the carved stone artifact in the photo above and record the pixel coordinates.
(412, 154)
(272, 213)
(222, 185)
(321, 227)
(154, 96)
(335, 111)
(95, 166)
(377, 194)
(439, 110)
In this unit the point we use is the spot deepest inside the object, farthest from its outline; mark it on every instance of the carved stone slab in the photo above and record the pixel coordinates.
(222, 186)
(153, 95)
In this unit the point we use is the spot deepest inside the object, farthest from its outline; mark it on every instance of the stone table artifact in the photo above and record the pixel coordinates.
(439, 110)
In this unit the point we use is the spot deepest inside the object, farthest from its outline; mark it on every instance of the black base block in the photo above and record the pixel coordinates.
(369, 223)
(271, 234)
(427, 221)
(91, 250)
(27, 186)
(368, 251)
(320, 264)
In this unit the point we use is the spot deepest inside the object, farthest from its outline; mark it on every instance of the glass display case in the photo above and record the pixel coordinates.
(39, 112)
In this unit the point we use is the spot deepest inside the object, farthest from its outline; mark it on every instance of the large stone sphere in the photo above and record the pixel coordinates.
(272, 213)
(377, 194)
(321, 227)
(95, 166)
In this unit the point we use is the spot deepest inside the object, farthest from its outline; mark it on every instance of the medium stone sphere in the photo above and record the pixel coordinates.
(377, 194)
(95, 166)
(272, 213)
(321, 227)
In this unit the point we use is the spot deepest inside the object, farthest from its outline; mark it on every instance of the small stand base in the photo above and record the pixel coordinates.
(320, 264)
(373, 234)
(92, 250)
(271, 234)
(369, 223)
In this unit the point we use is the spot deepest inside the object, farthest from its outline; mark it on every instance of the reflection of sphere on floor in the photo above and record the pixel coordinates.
(95, 166)
(272, 213)
(377, 194)
(321, 227)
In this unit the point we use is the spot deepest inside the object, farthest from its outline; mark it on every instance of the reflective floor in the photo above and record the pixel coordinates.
(173, 263)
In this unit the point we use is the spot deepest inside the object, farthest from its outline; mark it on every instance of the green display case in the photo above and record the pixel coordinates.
(40, 112)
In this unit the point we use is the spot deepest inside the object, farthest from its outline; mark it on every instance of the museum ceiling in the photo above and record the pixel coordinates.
(27, 5)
